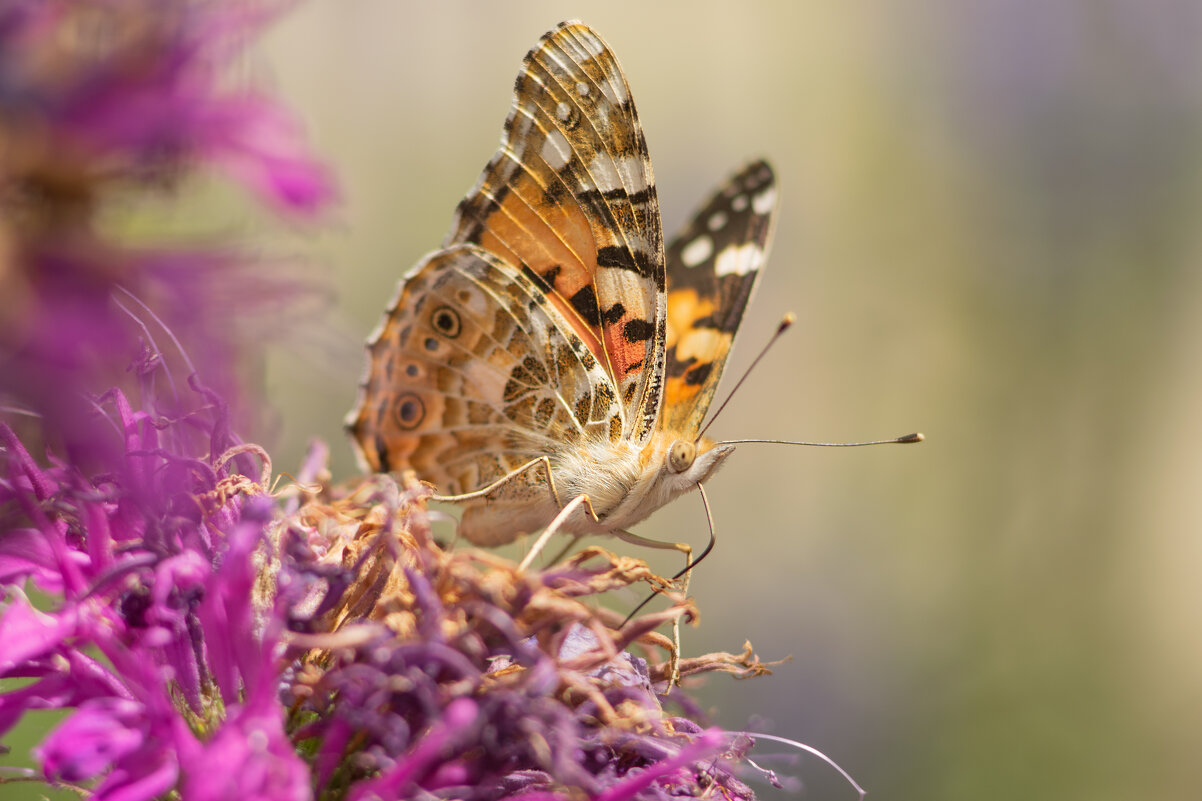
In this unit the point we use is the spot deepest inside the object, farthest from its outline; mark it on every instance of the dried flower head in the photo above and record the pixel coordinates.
(525, 685)
(221, 641)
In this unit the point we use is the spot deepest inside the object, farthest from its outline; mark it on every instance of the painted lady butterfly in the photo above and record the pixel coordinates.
(552, 349)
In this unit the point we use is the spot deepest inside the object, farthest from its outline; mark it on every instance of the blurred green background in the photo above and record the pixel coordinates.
(989, 233)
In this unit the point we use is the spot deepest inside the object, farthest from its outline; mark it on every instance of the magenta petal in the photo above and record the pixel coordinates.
(250, 757)
(25, 553)
(48, 693)
(82, 680)
(98, 735)
(140, 780)
(259, 144)
(235, 651)
(293, 184)
(184, 572)
(457, 717)
(28, 633)
(705, 746)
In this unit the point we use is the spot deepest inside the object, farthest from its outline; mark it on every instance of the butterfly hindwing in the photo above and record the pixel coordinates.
(569, 200)
(473, 374)
(713, 267)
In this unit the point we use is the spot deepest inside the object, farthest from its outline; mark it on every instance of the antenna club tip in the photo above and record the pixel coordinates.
(787, 320)
(908, 438)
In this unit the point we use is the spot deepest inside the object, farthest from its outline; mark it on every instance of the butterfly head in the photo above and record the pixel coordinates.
(668, 466)
(691, 462)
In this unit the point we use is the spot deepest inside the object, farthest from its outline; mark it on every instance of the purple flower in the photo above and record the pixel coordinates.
(130, 91)
(137, 553)
(100, 99)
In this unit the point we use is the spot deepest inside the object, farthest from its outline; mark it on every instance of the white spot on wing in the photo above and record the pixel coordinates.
(593, 44)
(633, 167)
(697, 251)
(739, 203)
(717, 221)
(609, 175)
(563, 111)
(555, 150)
(738, 260)
(582, 88)
(614, 89)
(638, 244)
(605, 173)
(764, 201)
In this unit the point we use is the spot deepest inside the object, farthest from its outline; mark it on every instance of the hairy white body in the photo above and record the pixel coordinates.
(624, 485)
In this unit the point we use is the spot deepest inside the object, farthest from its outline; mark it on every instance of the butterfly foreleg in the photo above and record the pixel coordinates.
(564, 514)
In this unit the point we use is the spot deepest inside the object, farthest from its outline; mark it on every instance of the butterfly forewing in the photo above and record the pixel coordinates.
(569, 200)
(713, 268)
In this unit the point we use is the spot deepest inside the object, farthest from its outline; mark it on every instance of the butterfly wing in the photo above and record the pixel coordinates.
(569, 200)
(473, 374)
(713, 268)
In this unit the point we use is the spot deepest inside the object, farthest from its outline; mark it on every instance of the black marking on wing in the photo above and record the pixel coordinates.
(613, 314)
(638, 330)
(585, 304)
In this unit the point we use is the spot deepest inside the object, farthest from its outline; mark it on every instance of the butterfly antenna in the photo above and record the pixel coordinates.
(709, 519)
(905, 439)
(785, 322)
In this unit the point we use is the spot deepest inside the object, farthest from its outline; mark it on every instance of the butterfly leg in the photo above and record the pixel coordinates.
(687, 573)
(564, 514)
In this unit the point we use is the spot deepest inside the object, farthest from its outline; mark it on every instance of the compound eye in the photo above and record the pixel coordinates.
(681, 455)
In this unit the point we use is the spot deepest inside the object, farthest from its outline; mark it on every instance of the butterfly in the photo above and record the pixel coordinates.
(553, 360)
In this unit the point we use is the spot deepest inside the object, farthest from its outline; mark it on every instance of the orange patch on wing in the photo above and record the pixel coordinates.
(700, 346)
(677, 392)
(542, 236)
(684, 308)
(627, 357)
(526, 231)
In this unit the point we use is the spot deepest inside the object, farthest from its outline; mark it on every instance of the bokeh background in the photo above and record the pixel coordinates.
(990, 233)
